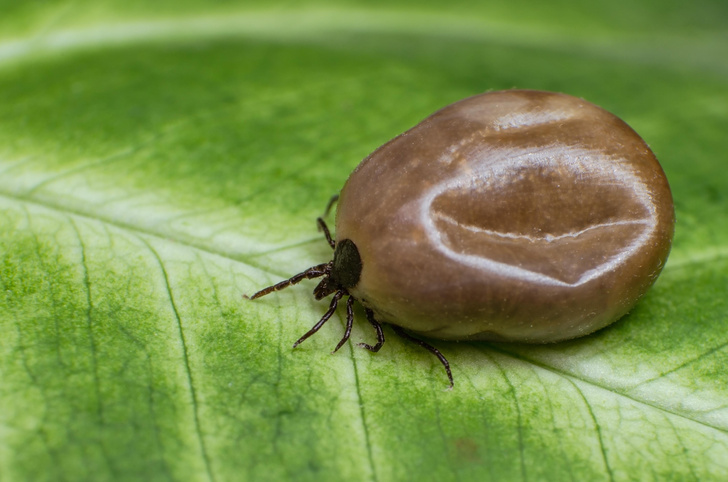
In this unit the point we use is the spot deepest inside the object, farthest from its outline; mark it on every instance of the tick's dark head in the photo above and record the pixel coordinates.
(345, 270)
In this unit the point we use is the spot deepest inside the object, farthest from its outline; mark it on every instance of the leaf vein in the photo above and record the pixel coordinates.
(186, 359)
(519, 419)
(362, 414)
(597, 427)
(593, 383)
(92, 341)
(683, 365)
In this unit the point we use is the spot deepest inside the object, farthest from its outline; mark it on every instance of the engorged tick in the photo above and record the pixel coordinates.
(519, 216)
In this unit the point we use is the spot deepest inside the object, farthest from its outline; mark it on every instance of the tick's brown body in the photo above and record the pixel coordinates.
(517, 215)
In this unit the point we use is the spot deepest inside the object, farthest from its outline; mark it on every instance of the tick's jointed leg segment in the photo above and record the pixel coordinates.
(322, 227)
(427, 347)
(311, 273)
(380, 333)
(324, 319)
(330, 204)
(322, 224)
(349, 323)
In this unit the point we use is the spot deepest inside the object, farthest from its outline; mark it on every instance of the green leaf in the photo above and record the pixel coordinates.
(157, 163)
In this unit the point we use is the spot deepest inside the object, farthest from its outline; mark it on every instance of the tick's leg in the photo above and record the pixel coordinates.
(312, 272)
(322, 224)
(380, 333)
(349, 323)
(324, 319)
(322, 227)
(427, 347)
(331, 203)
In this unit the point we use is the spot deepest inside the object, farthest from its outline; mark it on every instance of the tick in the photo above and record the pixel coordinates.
(513, 216)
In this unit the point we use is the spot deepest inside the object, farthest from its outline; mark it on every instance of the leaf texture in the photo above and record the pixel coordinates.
(158, 163)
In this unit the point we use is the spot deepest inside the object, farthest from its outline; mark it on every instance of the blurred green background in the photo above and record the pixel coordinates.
(159, 160)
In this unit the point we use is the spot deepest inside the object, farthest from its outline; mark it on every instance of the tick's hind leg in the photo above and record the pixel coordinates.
(380, 333)
(427, 347)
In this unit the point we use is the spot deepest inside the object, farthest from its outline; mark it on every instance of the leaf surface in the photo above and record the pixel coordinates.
(158, 163)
